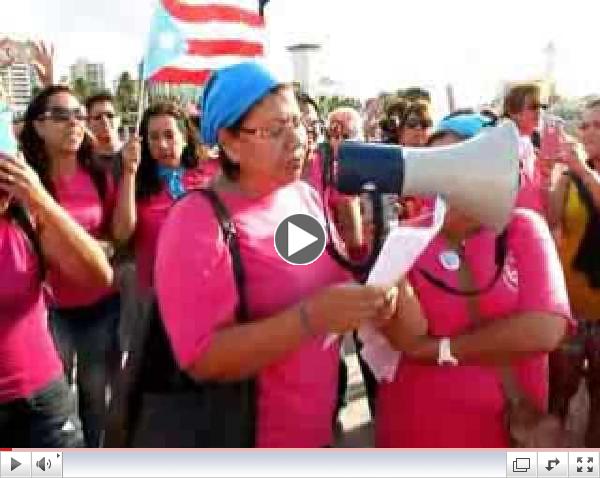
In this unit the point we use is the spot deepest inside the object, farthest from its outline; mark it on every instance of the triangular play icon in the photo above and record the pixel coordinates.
(298, 239)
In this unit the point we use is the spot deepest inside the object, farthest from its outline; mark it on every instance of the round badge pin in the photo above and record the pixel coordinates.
(450, 260)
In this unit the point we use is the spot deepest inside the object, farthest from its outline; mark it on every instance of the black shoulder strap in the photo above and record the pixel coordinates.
(230, 236)
(500, 259)
(21, 217)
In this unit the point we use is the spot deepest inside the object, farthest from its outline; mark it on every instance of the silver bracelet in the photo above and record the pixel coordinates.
(305, 320)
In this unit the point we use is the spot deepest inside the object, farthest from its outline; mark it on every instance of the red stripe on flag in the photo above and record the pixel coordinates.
(224, 47)
(212, 13)
(179, 75)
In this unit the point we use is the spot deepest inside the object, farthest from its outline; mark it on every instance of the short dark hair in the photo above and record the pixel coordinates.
(304, 100)
(99, 98)
(595, 103)
(514, 101)
(415, 93)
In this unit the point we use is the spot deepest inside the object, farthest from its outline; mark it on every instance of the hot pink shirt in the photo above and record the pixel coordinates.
(531, 193)
(151, 213)
(28, 359)
(78, 196)
(197, 295)
(431, 406)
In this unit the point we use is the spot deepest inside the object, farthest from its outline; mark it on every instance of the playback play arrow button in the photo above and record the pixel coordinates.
(300, 239)
(14, 464)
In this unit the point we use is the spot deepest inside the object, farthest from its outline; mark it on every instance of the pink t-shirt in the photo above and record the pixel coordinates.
(79, 197)
(431, 406)
(29, 362)
(531, 193)
(197, 295)
(151, 213)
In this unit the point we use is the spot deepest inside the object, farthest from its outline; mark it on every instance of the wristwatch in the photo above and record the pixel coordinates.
(445, 356)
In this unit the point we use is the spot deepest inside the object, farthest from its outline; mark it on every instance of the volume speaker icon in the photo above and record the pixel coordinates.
(43, 464)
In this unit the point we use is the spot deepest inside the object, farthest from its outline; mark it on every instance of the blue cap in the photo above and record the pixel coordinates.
(230, 93)
(465, 125)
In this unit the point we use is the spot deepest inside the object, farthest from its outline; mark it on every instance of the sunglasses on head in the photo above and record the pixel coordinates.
(61, 114)
(109, 115)
(418, 123)
(537, 106)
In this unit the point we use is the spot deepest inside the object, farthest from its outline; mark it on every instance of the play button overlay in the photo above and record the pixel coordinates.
(300, 239)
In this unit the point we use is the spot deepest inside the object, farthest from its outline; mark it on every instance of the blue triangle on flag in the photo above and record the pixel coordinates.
(166, 43)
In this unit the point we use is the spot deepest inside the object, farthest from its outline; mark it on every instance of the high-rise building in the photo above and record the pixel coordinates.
(92, 73)
(18, 81)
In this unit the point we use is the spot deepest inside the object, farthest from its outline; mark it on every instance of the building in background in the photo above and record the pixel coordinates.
(92, 73)
(305, 61)
(18, 80)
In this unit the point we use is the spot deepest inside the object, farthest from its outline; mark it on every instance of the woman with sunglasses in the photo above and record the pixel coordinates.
(488, 306)
(574, 213)
(414, 125)
(159, 167)
(524, 106)
(254, 119)
(37, 238)
(84, 315)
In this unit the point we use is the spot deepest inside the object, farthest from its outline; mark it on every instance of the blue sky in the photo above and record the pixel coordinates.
(368, 46)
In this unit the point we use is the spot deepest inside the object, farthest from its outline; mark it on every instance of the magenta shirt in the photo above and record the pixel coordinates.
(197, 295)
(431, 406)
(79, 197)
(531, 192)
(151, 213)
(28, 360)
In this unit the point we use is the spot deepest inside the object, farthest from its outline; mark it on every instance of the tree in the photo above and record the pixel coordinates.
(126, 100)
(82, 88)
(329, 103)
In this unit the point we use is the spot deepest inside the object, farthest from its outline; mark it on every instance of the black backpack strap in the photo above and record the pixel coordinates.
(231, 238)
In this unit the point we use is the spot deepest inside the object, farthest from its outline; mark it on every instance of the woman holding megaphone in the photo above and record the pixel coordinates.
(279, 341)
(491, 308)
(37, 408)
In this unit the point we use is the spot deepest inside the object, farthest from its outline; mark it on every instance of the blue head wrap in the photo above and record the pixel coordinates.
(229, 94)
(465, 125)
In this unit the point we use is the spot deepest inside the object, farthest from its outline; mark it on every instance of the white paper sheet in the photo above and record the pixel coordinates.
(403, 246)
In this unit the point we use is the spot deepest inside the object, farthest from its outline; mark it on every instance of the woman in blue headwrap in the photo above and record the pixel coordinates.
(256, 122)
(491, 308)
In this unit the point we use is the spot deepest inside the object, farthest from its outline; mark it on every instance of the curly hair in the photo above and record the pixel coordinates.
(34, 148)
(147, 181)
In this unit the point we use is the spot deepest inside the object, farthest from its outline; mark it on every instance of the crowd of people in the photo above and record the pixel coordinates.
(479, 315)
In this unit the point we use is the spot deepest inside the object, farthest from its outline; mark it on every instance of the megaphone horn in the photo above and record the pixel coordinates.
(479, 177)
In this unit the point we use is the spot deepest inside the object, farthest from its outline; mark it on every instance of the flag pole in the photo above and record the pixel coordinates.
(141, 95)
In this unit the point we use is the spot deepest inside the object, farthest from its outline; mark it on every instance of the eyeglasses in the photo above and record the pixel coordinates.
(585, 125)
(336, 130)
(537, 106)
(418, 123)
(62, 115)
(275, 131)
(109, 115)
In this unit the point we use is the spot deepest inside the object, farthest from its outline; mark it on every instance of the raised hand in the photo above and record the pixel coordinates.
(43, 62)
(132, 154)
(20, 181)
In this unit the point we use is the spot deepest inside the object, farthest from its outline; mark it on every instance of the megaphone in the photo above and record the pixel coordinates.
(479, 177)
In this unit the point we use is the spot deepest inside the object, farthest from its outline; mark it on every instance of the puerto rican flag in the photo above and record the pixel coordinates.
(190, 38)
